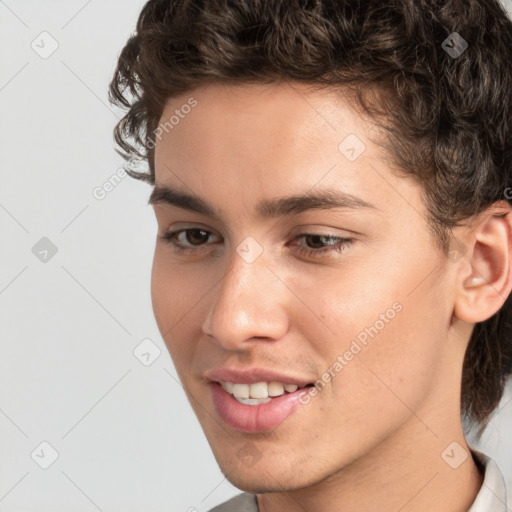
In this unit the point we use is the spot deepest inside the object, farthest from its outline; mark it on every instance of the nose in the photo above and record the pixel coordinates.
(248, 306)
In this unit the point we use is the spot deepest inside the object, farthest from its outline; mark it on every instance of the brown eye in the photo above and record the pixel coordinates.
(317, 244)
(195, 236)
(191, 239)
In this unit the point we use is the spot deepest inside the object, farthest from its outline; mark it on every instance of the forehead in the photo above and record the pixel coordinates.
(265, 118)
(250, 142)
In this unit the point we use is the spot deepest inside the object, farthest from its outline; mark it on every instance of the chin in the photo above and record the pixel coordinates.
(264, 477)
(256, 481)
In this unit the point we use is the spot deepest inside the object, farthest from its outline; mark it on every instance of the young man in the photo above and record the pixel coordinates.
(332, 274)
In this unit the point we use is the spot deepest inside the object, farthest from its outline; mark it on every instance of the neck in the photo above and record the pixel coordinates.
(406, 473)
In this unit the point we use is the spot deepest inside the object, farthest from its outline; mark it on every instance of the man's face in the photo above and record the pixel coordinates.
(258, 295)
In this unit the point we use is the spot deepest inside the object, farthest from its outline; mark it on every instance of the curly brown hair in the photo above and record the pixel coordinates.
(446, 108)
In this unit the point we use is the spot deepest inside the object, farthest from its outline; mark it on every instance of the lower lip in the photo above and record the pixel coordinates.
(253, 418)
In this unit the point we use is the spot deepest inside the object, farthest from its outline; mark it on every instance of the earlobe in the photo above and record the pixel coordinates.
(485, 274)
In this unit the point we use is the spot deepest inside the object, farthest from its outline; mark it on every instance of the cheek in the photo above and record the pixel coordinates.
(162, 298)
(175, 289)
(389, 335)
(175, 297)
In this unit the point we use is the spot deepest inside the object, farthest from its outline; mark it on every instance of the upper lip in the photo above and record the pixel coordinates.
(241, 375)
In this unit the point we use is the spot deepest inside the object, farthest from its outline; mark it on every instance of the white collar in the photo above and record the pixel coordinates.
(492, 496)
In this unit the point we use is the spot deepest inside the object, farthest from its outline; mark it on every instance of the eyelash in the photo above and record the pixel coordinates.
(339, 247)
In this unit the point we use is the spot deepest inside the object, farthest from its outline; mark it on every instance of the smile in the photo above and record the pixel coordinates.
(249, 413)
(258, 392)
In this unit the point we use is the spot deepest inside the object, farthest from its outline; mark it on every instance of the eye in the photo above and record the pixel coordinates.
(335, 244)
(195, 236)
(193, 240)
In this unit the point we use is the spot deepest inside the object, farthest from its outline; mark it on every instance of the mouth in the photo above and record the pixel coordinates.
(259, 393)
(255, 408)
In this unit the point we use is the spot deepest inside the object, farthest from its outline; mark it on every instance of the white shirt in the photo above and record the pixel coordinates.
(492, 496)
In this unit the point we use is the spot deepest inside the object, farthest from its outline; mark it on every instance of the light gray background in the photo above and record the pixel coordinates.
(125, 434)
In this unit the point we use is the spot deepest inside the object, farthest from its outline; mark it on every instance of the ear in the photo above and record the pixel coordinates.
(484, 278)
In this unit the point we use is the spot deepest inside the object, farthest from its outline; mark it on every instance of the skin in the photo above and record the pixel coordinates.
(384, 420)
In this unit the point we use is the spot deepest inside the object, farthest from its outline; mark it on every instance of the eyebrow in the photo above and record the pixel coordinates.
(268, 208)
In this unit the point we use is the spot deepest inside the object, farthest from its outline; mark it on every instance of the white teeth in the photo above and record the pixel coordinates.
(258, 392)
(275, 389)
(228, 386)
(241, 390)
